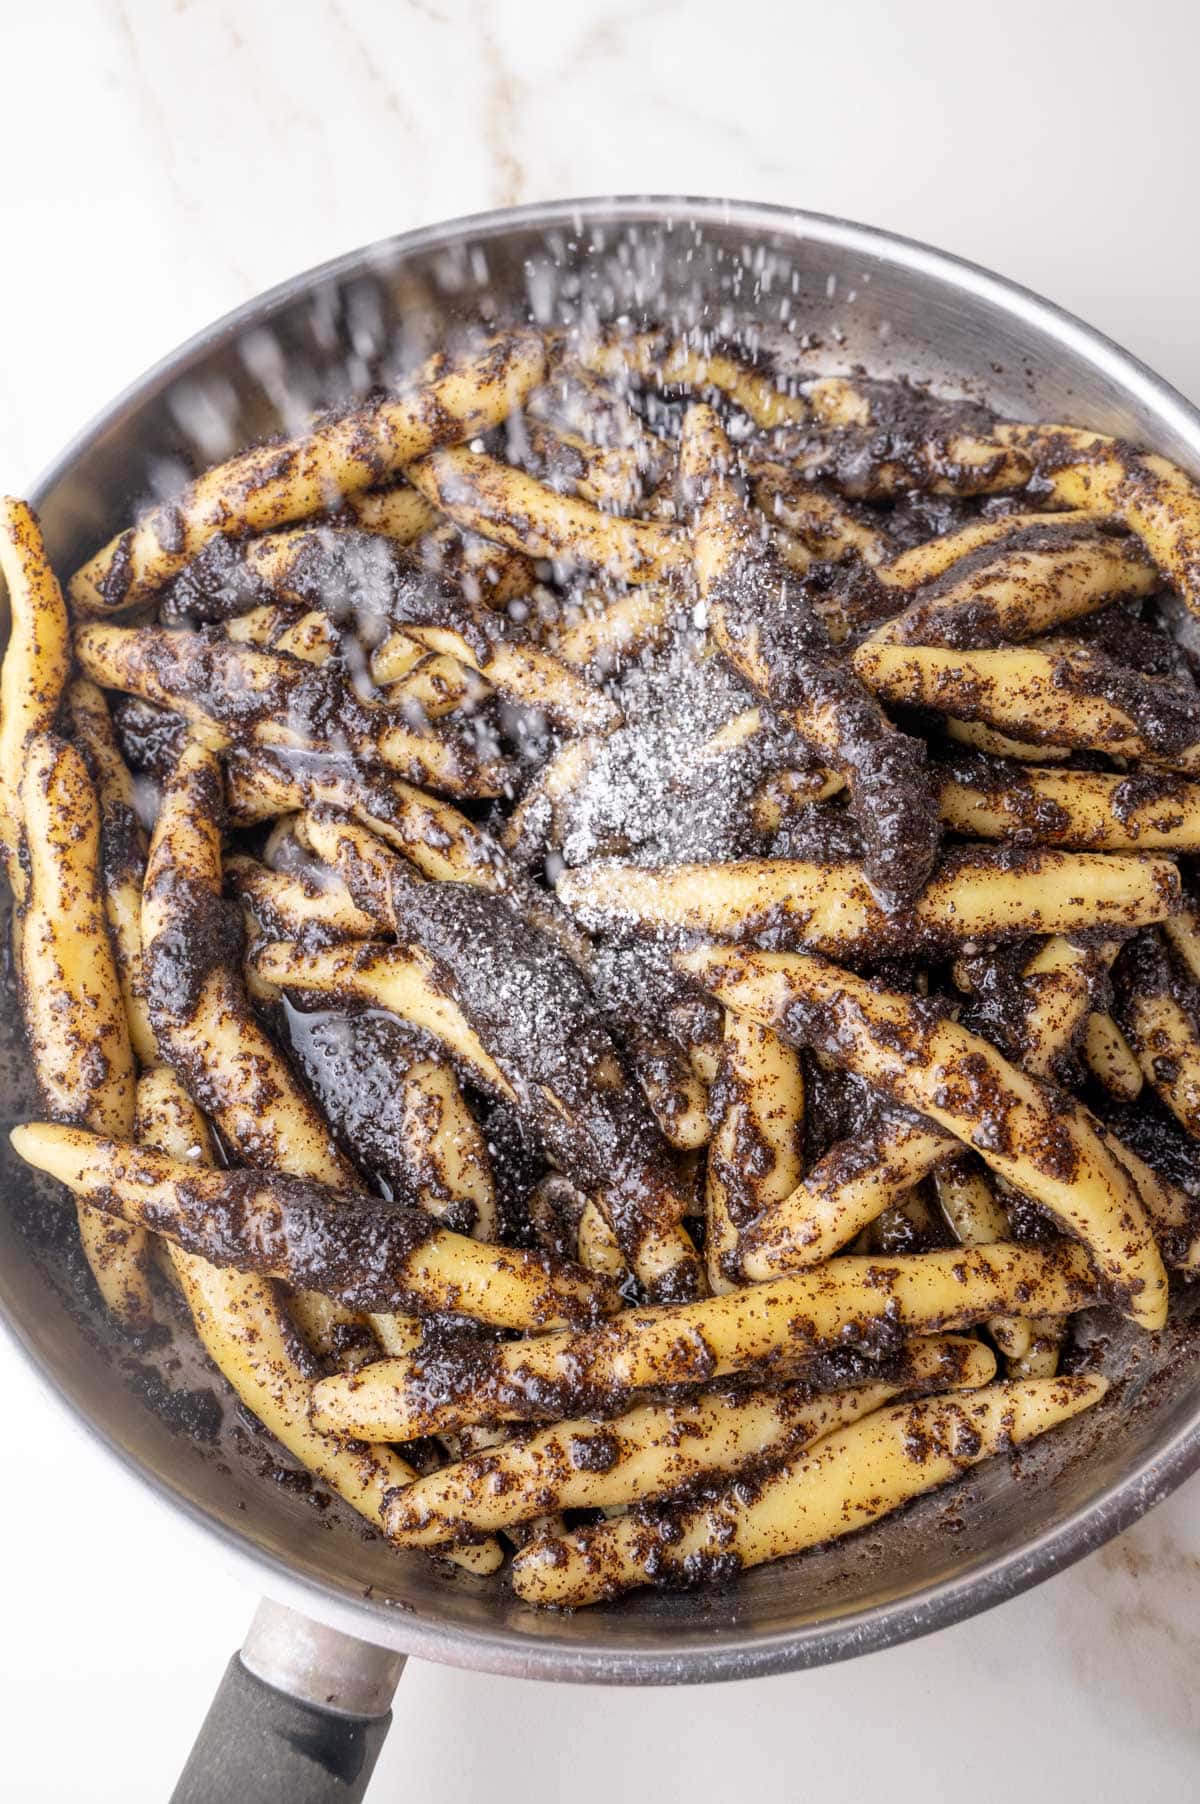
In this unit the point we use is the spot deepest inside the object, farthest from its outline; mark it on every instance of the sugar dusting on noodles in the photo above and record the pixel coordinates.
(658, 789)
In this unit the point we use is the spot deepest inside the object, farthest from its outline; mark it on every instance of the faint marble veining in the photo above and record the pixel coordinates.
(1126, 1625)
(502, 111)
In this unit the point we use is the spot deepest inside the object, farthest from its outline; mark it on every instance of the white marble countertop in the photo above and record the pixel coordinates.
(165, 161)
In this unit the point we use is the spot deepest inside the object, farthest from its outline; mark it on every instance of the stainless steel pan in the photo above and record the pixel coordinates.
(858, 295)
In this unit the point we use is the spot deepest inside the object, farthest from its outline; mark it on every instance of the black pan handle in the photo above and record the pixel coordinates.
(299, 1717)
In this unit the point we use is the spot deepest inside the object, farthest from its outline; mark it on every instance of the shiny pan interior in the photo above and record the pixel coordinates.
(855, 295)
